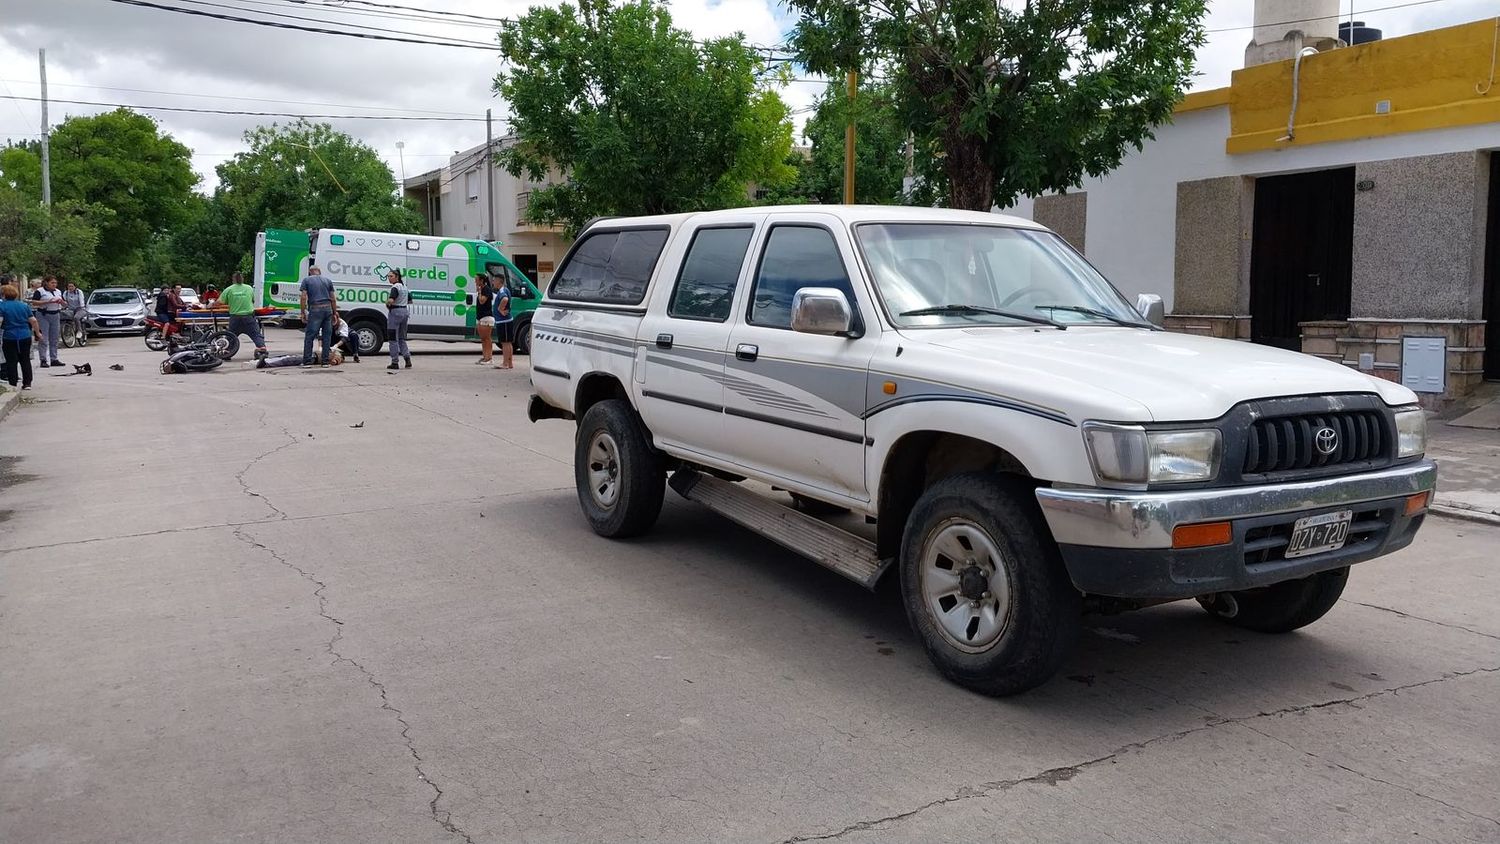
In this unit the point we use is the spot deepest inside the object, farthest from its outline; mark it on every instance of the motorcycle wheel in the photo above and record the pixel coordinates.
(224, 344)
(154, 341)
(202, 362)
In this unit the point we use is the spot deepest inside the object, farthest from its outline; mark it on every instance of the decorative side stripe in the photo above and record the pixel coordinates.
(992, 402)
(555, 373)
(796, 426)
(701, 405)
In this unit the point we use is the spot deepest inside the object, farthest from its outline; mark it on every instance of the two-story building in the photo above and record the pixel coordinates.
(456, 201)
(1338, 198)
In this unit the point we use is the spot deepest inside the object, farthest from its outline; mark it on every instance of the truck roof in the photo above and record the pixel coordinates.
(845, 213)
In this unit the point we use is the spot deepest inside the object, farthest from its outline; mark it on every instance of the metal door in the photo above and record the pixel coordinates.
(1302, 253)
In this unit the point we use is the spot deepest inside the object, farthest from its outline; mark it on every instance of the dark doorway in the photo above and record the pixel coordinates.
(1492, 276)
(1301, 253)
(526, 264)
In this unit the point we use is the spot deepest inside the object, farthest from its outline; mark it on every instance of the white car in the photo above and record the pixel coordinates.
(1027, 443)
(189, 296)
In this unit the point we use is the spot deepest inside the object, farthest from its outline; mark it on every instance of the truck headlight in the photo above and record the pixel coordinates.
(1129, 454)
(1411, 432)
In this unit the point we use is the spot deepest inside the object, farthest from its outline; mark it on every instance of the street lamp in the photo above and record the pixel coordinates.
(401, 151)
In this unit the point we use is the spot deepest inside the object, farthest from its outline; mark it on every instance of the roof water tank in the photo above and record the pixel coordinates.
(1357, 33)
(1313, 18)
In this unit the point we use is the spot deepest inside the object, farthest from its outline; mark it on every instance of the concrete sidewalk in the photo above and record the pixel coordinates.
(1468, 470)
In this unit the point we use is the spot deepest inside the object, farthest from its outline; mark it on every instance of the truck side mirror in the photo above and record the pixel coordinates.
(1151, 308)
(821, 310)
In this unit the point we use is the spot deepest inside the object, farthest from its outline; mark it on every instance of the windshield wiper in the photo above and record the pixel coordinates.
(966, 310)
(1080, 309)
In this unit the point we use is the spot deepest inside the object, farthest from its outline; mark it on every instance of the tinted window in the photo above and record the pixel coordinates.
(705, 288)
(612, 267)
(795, 257)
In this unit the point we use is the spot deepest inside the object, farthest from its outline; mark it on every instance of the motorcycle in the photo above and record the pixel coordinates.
(195, 355)
(224, 343)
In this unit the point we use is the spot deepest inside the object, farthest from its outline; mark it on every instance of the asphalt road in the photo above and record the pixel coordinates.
(353, 605)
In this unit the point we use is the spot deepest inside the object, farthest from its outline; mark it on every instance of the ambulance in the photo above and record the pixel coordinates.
(439, 271)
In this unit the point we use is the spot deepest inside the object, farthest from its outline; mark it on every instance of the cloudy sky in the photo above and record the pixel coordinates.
(110, 52)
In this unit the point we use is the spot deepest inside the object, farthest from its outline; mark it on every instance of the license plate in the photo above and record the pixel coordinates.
(1317, 534)
(115, 321)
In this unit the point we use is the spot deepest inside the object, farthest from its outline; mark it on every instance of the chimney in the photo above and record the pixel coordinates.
(1284, 27)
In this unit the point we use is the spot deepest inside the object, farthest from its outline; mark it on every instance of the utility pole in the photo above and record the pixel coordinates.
(41, 57)
(852, 81)
(401, 151)
(489, 175)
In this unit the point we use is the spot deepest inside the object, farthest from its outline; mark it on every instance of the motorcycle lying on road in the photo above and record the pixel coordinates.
(224, 343)
(192, 355)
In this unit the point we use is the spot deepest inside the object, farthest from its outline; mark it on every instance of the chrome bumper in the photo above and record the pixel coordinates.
(1123, 519)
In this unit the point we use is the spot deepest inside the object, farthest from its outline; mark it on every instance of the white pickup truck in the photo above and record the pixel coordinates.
(1023, 445)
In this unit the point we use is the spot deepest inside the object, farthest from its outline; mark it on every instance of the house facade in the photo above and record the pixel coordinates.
(1342, 200)
(456, 201)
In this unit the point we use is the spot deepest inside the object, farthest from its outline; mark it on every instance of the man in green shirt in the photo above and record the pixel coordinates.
(239, 298)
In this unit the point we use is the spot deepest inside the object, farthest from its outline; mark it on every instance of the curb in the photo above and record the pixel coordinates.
(1464, 514)
(9, 401)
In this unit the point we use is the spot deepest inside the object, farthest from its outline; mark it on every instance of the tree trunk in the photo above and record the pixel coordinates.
(971, 181)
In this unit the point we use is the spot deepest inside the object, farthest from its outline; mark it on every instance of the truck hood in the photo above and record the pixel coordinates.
(1151, 375)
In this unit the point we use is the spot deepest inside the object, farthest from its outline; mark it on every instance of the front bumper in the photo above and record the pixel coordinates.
(111, 325)
(1119, 543)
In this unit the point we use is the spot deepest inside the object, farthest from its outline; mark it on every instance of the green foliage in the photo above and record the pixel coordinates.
(641, 119)
(119, 160)
(1006, 100)
(301, 176)
(879, 150)
(63, 242)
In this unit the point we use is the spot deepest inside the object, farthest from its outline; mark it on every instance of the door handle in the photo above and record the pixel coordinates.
(663, 341)
(469, 299)
(747, 352)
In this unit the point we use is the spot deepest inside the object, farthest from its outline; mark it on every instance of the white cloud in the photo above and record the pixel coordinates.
(99, 43)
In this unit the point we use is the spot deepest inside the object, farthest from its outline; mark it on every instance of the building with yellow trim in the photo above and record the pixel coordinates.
(1361, 225)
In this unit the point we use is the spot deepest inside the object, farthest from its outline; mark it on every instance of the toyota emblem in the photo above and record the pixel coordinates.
(1327, 440)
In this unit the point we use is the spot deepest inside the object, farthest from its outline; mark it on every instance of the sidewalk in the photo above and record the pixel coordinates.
(1468, 470)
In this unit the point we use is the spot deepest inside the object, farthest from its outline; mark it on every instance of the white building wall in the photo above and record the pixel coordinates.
(1132, 211)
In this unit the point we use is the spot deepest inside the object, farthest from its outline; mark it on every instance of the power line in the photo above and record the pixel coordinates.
(335, 22)
(255, 113)
(1324, 17)
(318, 30)
(227, 97)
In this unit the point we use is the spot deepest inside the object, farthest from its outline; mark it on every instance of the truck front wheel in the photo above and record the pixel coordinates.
(1280, 607)
(620, 477)
(984, 587)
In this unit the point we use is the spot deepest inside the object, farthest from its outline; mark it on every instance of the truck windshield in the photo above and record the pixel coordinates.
(940, 274)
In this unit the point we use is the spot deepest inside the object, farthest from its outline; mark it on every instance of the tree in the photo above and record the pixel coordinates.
(300, 176)
(1008, 100)
(639, 117)
(63, 242)
(879, 154)
(119, 160)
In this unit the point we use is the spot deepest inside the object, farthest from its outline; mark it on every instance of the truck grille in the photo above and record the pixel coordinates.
(1290, 443)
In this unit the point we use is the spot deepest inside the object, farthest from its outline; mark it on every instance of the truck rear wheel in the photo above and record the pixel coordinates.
(621, 479)
(984, 587)
(1280, 607)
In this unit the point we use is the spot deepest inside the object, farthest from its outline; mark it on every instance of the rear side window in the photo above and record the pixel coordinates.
(611, 267)
(705, 287)
(795, 257)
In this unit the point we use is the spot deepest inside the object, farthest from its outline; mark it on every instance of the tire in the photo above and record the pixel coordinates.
(154, 341)
(83, 336)
(369, 334)
(990, 534)
(814, 507)
(1280, 607)
(69, 339)
(224, 344)
(621, 479)
(523, 336)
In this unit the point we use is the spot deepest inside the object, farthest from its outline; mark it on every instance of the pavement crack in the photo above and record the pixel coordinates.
(441, 817)
(1427, 620)
(1061, 774)
(1371, 777)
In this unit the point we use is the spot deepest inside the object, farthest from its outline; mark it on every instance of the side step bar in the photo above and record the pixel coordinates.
(832, 547)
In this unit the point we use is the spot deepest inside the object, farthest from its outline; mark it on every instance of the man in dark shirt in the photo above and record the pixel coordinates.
(317, 314)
